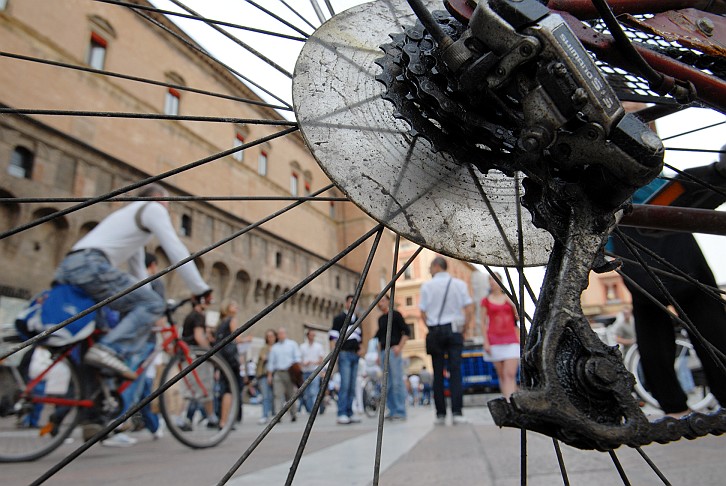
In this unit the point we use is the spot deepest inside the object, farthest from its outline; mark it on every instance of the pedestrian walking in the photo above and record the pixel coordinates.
(447, 309)
(396, 397)
(283, 355)
(347, 362)
(312, 353)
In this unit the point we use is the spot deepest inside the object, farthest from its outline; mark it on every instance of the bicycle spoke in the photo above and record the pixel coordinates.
(143, 80)
(237, 41)
(151, 278)
(195, 16)
(652, 465)
(619, 467)
(386, 369)
(338, 346)
(144, 182)
(297, 14)
(561, 461)
(331, 359)
(215, 60)
(276, 17)
(718, 357)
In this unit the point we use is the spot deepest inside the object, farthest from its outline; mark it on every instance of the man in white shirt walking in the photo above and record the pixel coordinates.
(447, 310)
(283, 354)
(312, 355)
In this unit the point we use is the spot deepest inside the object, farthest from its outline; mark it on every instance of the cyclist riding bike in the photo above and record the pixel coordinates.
(93, 265)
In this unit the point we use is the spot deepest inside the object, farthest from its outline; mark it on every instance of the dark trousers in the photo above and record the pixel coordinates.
(657, 347)
(654, 327)
(443, 344)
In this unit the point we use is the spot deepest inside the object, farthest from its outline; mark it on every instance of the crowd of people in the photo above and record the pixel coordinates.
(446, 307)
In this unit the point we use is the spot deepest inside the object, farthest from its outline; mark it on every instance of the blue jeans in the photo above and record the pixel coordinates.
(267, 400)
(348, 368)
(91, 271)
(140, 389)
(311, 392)
(396, 399)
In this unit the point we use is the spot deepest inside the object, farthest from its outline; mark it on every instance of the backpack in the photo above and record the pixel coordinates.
(53, 306)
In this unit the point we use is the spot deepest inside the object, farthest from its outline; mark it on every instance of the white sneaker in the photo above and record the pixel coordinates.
(343, 419)
(99, 356)
(263, 420)
(354, 420)
(160, 430)
(440, 420)
(459, 420)
(119, 440)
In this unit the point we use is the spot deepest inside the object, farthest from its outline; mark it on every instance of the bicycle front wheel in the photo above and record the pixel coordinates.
(191, 407)
(36, 421)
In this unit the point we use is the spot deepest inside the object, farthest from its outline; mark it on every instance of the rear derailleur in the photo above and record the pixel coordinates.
(507, 86)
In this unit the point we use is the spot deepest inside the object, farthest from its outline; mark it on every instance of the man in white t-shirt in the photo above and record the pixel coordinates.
(94, 263)
(448, 311)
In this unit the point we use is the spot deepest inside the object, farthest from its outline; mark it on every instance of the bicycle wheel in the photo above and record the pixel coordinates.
(371, 399)
(447, 221)
(191, 407)
(32, 422)
(690, 375)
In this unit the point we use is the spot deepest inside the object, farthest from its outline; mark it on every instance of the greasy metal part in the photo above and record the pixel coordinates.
(395, 175)
(711, 90)
(576, 388)
(671, 218)
(402, 140)
(584, 9)
(692, 28)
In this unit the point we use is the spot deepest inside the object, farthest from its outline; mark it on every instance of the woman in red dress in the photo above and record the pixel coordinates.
(501, 336)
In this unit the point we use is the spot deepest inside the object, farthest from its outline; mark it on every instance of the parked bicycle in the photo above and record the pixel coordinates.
(45, 392)
(372, 394)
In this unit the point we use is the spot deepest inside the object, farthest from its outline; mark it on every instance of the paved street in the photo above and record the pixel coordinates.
(415, 452)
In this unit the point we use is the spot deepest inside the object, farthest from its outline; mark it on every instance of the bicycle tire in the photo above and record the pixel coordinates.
(29, 432)
(699, 398)
(187, 407)
(371, 399)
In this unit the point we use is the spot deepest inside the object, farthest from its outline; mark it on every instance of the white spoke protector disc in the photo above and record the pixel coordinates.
(394, 176)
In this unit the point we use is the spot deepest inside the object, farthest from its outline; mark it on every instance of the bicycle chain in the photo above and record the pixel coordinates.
(428, 99)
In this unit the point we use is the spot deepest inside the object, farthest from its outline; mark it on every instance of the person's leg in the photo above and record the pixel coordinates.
(266, 392)
(289, 392)
(224, 407)
(709, 317)
(397, 389)
(437, 360)
(499, 369)
(509, 373)
(657, 347)
(307, 399)
(278, 389)
(347, 383)
(139, 309)
(313, 390)
(456, 345)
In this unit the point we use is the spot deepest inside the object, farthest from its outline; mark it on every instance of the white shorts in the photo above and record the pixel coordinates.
(501, 352)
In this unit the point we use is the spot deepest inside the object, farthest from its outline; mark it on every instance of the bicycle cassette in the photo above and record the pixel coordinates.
(428, 189)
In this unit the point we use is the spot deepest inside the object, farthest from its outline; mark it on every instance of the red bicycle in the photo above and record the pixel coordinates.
(46, 392)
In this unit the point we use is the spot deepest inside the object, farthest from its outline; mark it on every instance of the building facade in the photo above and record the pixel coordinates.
(62, 156)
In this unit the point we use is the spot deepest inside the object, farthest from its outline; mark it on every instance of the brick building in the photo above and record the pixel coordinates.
(86, 156)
